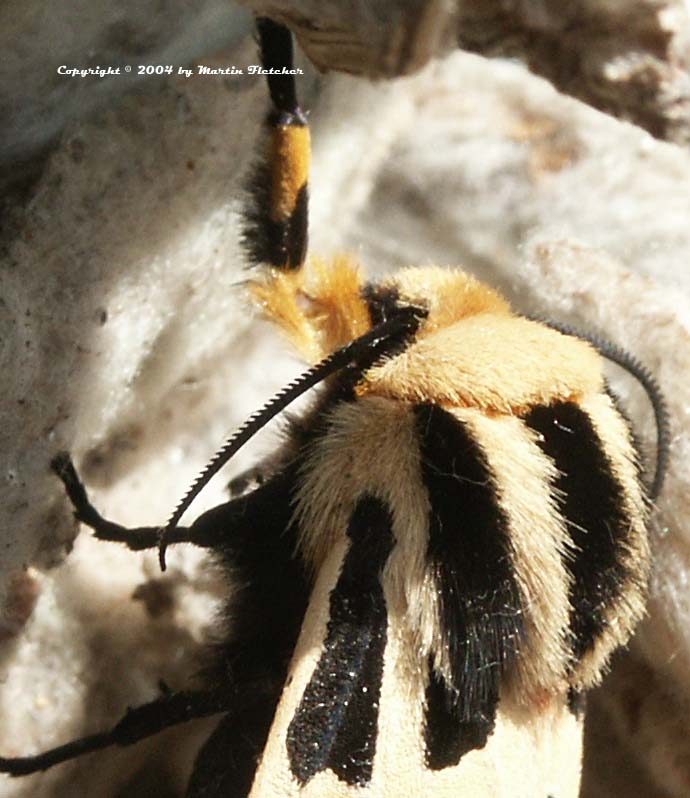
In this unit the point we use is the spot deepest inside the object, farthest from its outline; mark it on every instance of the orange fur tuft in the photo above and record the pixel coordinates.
(319, 307)
(471, 350)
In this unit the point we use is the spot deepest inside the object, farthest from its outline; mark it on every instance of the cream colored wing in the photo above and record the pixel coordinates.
(474, 573)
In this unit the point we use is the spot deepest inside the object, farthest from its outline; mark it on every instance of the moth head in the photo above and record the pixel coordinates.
(327, 303)
(443, 296)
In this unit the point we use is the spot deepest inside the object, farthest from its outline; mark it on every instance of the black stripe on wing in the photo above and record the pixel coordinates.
(479, 599)
(593, 505)
(335, 726)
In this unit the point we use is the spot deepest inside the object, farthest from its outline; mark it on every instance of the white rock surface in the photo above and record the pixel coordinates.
(125, 340)
(38, 37)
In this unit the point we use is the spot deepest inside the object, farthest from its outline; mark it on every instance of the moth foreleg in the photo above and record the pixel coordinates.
(136, 724)
(216, 528)
(138, 538)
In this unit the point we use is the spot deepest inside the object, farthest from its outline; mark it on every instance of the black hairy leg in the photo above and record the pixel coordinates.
(204, 532)
(169, 710)
(145, 537)
(254, 536)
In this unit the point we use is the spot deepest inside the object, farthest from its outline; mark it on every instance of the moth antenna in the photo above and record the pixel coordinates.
(623, 358)
(274, 230)
(364, 351)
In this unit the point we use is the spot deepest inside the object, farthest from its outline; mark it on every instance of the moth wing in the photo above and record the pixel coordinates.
(351, 720)
(324, 734)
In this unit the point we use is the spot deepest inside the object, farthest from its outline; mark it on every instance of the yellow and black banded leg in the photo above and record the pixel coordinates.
(276, 219)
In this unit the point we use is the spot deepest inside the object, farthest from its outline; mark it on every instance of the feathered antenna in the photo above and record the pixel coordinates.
(364, 351)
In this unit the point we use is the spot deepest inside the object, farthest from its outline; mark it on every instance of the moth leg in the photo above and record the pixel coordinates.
(136, 539)
(216, 528)
(137, 724)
